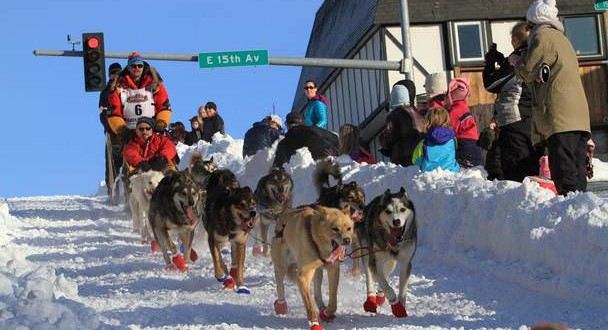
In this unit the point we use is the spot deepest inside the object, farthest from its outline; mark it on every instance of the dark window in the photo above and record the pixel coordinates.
(584, 35)
(469, 41)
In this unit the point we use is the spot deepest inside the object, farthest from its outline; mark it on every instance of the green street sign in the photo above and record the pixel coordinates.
(601, 5)
(238, 58)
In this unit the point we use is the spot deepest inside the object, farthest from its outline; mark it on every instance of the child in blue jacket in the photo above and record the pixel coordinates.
(438, 147)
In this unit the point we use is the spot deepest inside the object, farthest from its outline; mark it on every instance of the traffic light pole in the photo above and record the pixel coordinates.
(288, 61)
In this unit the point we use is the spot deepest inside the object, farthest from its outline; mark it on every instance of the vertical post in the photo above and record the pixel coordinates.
(405, 35)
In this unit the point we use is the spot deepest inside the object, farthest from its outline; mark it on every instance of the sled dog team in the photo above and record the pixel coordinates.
(307, 239)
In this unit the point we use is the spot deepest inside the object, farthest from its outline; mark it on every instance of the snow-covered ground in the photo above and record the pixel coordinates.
(492, 255)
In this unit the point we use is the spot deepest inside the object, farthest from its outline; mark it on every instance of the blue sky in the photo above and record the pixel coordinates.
(52, 141)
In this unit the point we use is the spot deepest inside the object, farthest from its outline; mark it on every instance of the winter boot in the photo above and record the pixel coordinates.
(371, 304)
(154, 246)
(325, 316)
(280, 307)
(398, 309)
(179, 262)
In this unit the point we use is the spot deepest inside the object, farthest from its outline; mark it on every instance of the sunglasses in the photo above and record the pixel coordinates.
(137, 66)
(309, 87)
(146, 128)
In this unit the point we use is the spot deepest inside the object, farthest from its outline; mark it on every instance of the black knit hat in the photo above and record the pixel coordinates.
(146, 120)
(114, 68)
(294, 118)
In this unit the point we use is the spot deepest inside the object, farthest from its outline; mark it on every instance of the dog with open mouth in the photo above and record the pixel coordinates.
(173, 207)
(308, 239)
(231, 213)
(142, 186)
(389, 234)
(340, 196)
(274, 195)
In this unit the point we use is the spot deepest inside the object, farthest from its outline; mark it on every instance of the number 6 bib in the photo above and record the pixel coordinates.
(136, 103)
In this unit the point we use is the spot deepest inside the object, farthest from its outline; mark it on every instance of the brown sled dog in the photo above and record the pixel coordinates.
(230, 215)
(340, 196)
(173, 207)
(274, 195)
(309, 238)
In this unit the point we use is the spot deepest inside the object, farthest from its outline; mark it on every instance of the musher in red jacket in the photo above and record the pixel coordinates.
(139, 92)
(147, 150)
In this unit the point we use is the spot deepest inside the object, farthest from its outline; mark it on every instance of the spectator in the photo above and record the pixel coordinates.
(560, 113)
(178, 133)
(488, 140)
(316, 110)
(320, 142)
(139, 92)
(464, 125)
(113, 149)
(350, 144)
(436, 87)
(147, 150)
(512, 109)
(262, 135)
(438, 147)
(196, 134)
(402, 131)
(211, 120)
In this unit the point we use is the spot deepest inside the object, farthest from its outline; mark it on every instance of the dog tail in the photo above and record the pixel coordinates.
(324, 169)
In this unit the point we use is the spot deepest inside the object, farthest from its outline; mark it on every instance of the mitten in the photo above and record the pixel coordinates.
(160, 126)
(158, 163)
(144, 166)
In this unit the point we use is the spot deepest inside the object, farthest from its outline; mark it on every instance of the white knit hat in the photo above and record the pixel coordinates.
(542, 11)
(435, 83)
(277, 120)
(400, 96)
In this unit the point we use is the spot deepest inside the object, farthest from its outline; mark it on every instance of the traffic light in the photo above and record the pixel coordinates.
(94, 62)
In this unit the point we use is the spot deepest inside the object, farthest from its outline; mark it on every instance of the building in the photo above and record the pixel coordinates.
(445, 35)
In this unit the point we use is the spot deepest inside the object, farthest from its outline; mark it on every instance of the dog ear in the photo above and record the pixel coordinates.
(402, 192)
(346, 209)
(211, 159)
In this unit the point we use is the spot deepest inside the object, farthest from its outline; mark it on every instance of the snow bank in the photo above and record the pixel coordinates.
(33, 297)
(525, 235)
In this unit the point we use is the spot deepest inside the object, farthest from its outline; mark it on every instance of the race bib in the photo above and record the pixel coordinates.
(136, 103)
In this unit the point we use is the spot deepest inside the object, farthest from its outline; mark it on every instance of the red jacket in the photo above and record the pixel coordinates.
(463, 122)
(138, 149)
(150, 81)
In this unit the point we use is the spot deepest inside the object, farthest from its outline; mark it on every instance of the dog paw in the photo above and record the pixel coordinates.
(371, 304)
(243, 290)
(154, 246)
(171, 268)
(229, 283)
(233, 272)
(398, 309)
(316, 326)
(380, 300)
(325, 316)
(258, 250)
(193, 255)
(179, 262)
(280, 307)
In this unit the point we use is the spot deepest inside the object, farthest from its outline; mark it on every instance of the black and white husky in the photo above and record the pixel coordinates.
(388, 233)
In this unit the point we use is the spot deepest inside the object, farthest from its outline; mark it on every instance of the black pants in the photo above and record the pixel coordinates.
(567, 153)
(517, 155)
(116, 150)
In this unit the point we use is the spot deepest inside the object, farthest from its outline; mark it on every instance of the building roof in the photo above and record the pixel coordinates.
(340, 24)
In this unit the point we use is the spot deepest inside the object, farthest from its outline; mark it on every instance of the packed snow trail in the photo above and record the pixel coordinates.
(121, 282)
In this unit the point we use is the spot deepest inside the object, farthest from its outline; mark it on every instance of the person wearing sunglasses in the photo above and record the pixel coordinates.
(138, 92)
(316, 109)
(147, 150)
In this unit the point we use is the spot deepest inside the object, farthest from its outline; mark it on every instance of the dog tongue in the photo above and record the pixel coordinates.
(280, 197)
(339, 253)
(190, 215)
(356, 216)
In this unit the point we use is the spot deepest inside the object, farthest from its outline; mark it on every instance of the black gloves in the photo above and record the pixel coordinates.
(144, 166)
(158, 163)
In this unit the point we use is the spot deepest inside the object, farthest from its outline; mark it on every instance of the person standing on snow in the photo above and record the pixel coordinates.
(560, 113)
(316, 110)
(139, 92)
